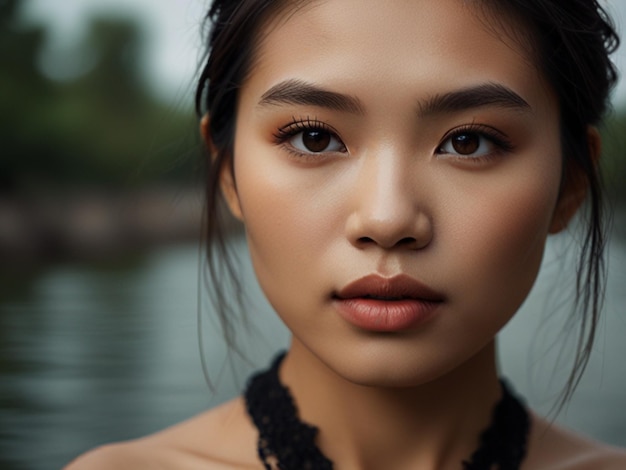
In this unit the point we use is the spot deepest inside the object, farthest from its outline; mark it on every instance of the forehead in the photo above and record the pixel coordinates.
(405, 43)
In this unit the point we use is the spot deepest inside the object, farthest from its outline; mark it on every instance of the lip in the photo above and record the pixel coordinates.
(387, 304)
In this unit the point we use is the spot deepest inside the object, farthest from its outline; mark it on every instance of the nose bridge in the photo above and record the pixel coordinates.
(383, 187)
(387, 210)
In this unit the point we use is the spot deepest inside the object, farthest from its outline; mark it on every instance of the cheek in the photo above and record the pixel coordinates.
(499, 233)
(289, 215)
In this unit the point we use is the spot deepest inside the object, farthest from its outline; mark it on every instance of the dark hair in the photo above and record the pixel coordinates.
(232, 28)
(570, 41)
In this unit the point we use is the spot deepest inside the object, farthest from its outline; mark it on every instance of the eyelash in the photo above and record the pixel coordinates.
(495, 137)
(298, 125)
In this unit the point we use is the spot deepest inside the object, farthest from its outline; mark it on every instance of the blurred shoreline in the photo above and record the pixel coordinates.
(89, 225)
(99, 224)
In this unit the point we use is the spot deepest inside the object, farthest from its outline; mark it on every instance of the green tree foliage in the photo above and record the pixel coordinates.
(614, 155)
(103, 127)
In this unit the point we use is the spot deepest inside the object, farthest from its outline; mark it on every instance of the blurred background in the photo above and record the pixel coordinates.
(102, 301)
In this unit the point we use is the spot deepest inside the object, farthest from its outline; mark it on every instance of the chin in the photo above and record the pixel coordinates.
(394, 366)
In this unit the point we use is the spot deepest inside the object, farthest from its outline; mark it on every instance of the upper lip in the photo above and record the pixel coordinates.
(401, 286)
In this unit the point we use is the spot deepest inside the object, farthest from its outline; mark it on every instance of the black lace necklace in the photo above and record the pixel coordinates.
(286, 443)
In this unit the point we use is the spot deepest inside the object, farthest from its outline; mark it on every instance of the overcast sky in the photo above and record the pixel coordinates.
(173, 34)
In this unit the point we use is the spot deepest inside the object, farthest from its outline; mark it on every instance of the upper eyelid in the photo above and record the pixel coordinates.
(489, 132)
(298, 125)
(307, 123)
(478, 128)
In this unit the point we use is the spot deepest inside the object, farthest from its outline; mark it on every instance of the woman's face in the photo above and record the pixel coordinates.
(409, 147)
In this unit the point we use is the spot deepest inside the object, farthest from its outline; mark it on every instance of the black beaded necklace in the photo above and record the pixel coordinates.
(286, 443)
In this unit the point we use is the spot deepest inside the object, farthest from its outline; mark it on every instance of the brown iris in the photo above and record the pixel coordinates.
(316, 140)
(465, 144)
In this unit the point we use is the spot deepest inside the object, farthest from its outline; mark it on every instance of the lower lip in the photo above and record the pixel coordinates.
(386, 315)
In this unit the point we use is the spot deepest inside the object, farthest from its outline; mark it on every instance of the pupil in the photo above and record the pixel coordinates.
(316, 141)
(466, 144)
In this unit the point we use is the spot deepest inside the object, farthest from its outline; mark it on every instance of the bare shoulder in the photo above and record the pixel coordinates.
(552, 447)
(219, 439)
(122, 456)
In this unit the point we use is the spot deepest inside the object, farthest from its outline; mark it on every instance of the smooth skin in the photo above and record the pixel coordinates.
(389, 177)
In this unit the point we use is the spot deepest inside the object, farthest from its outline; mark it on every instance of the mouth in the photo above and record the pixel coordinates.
(396, 288)
(381, 297)
(379, 304)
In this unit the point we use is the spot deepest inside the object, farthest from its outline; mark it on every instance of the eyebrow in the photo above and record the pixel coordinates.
(489, 94)
(303, 93)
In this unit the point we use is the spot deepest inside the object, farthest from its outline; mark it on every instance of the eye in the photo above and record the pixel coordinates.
(467, 144)
(474, 143)
(309, 138)
(316, 141)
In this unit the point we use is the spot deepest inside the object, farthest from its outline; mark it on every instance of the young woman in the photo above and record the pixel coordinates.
(398, 167)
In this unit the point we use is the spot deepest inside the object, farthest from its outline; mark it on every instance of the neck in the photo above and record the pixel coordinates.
(432, 425)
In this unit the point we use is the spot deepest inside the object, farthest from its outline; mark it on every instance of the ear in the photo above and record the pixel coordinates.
(227, 175)
(574, 189)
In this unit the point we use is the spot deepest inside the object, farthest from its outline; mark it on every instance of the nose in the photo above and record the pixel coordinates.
(387, 210)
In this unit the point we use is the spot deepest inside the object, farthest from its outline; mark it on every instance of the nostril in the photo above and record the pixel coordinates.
(407, 231)
(407, 241)
(403, 242)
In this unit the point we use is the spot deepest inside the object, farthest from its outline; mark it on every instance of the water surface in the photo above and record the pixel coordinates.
(98, 353)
